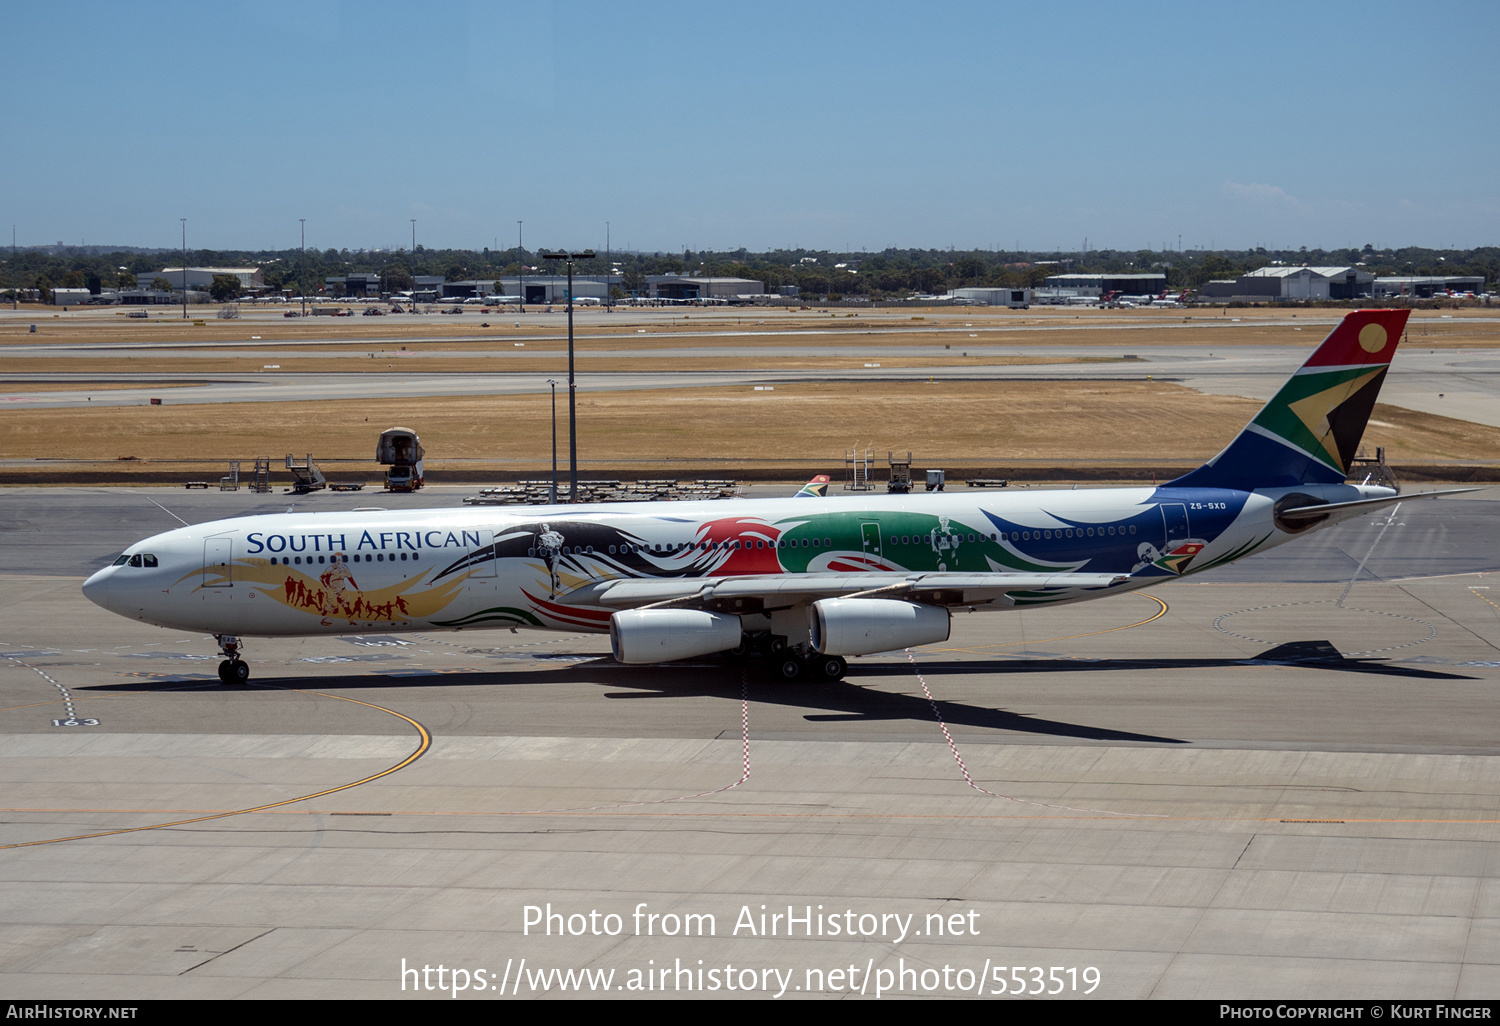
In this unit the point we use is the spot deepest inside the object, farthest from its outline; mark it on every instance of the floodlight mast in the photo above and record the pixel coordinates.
(568, 258)
(552, 486)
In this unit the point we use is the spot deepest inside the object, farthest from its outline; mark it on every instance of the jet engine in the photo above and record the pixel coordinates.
(858, 626)
(662, 635)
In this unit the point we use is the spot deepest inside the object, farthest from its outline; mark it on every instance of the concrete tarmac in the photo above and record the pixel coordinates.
(1266, 782)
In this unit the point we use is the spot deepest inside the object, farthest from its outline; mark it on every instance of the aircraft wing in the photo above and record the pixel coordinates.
(955, 589)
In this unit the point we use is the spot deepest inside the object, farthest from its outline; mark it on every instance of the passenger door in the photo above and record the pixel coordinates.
(218, 562)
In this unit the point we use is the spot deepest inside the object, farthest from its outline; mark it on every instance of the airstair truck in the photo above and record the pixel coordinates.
(401, 451)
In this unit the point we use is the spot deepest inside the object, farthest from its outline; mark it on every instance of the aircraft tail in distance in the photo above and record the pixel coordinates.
(1310, 430)
(817, 488)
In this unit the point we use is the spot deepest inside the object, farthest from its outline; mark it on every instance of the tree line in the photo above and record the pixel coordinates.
(890, 273)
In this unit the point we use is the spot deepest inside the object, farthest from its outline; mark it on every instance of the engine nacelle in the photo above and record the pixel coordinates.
(858, 626)
(662, 635)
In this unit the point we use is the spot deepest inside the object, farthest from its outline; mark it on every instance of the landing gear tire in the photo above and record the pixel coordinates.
(829, 667)
(234, 671)
(790, 669)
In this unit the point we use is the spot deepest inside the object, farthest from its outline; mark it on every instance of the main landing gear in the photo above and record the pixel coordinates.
(790, 663)
(792, 667)
(234, 669)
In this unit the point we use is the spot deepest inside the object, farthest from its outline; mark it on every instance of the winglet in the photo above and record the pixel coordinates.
(1310, 431)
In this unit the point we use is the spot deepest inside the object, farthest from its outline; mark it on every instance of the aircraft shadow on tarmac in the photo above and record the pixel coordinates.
(862, 705)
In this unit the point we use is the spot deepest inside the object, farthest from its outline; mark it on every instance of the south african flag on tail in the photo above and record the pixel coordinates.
(1310, 431)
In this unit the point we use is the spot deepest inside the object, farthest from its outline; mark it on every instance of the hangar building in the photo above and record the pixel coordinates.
(1423, 287)
(1270, 284)
(1097, 284)
(677, 286)
(1016, 298)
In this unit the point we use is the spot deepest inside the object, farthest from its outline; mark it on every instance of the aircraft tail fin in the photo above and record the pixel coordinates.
(817, 488)
(1309, 432)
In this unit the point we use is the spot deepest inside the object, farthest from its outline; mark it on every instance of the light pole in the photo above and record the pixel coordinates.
(608, 266)
(184, 267)
(302, 271)
(520, 271)
(552, 490)
(572, 383)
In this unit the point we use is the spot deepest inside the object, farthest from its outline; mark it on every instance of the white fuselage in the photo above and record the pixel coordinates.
(539, 567)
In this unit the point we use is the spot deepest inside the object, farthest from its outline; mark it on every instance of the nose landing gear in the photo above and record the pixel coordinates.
(234, 669)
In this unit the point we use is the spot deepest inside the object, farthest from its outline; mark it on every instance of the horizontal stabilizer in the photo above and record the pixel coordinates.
(1362, 505)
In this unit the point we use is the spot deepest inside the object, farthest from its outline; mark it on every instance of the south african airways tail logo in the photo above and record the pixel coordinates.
(1310, 431)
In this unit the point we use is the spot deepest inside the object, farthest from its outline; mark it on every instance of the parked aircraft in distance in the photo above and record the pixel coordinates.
(803, 581)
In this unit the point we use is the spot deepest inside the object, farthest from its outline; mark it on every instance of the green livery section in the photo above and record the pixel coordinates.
(899, 541)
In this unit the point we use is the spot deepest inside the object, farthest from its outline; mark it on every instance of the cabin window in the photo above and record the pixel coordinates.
(828, 543)
(1132, 529)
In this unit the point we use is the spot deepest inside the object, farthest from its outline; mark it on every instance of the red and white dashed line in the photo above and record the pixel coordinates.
(953, 747)
(744, 775)
(66, 694)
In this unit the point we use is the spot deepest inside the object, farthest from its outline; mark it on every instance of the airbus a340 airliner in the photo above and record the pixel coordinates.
(805, 581)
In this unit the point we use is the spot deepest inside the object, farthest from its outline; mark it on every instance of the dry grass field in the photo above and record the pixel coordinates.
(957, 423)
(991, 424)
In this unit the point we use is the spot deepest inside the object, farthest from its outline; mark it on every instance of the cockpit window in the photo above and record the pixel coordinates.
(121, 559)
(135, 560)
(147, 559)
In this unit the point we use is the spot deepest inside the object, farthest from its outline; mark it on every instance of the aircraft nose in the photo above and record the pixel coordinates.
(97, 588)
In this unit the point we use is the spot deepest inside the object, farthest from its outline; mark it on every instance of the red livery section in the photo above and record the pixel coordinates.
(573, 616)
(1363, 337)
(748, 558)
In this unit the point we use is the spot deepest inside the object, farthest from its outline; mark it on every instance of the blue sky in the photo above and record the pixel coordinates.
(712, 125)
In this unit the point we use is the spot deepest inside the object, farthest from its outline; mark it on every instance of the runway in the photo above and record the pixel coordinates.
(1264, 782)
